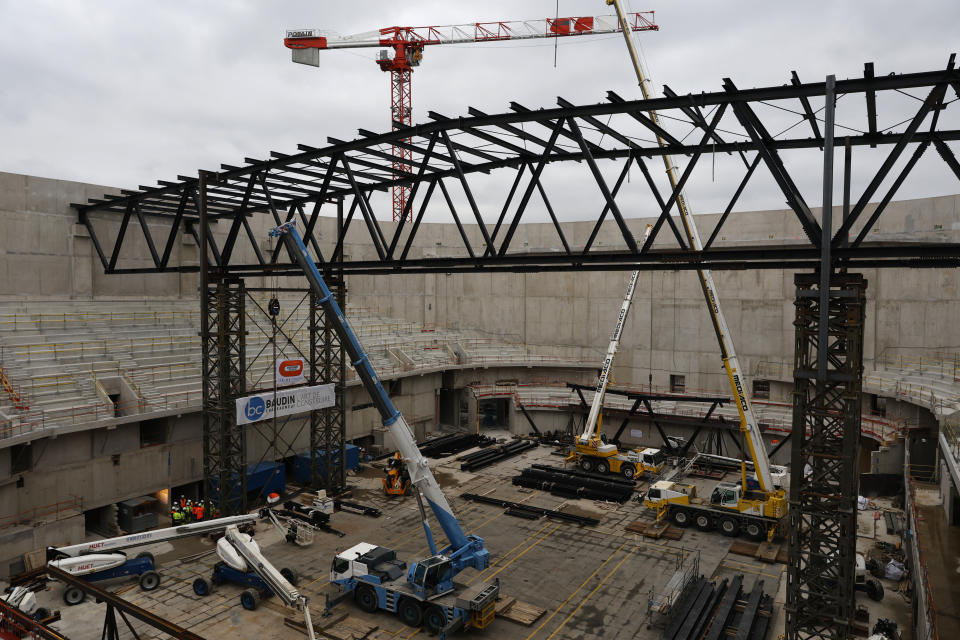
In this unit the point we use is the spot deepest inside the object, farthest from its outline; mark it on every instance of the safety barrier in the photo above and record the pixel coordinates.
(927, 620)
(20, 321)
(70, 507)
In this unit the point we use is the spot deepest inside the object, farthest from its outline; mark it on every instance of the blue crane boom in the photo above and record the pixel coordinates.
(464, 550)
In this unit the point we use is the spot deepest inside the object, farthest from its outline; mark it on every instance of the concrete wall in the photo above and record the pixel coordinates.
(43, 252)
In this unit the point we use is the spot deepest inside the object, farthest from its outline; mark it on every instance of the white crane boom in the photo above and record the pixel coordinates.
(468, 33)
(589, 429)
(748, 422)
(151, 537)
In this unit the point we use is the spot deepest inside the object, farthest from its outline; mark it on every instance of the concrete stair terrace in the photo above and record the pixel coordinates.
(62, 355)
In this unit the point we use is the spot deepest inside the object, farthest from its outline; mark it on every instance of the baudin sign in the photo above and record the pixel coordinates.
(264, 406)
(290, 371)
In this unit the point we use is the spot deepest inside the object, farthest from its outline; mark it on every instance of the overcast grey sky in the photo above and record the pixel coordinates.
(125, 92)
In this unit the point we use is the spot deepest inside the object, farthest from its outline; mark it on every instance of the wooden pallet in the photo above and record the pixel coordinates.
(517, 611)
(342, 627)
(764, 551)
(655, 530)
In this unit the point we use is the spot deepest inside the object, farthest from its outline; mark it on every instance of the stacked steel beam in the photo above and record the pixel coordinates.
(443, 446)
(713, 611)
(571, 483)
(486, 457)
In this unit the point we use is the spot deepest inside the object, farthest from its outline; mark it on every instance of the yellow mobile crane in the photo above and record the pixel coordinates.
(591, 452)
(733, 508)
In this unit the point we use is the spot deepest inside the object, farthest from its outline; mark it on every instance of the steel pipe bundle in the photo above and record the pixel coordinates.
(531, 513)
(486, 457)
(443, 446)
(574, 484)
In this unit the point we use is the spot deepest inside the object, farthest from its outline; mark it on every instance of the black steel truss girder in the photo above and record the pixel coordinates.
(692, 111)
(808, 111)
(763, 141)
(534, 178)
(660, 203)
(425, 159)
(934, 98)
(604, 189)
(678, 189)
(316, 175)
(733, 201)
(948, 156)
(646, 121)
(785, 92)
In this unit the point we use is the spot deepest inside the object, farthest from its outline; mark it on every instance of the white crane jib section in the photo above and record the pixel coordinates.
(467, 33)
(589, 430)
(748, 422)
(150, 537)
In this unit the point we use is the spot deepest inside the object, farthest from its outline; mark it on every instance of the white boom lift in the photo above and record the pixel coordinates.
(105, 559)
(591, 452)
(759, 511)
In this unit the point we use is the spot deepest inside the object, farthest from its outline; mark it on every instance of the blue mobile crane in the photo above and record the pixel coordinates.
(425, 592)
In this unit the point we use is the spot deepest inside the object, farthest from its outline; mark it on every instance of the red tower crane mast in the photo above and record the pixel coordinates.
(408, 43)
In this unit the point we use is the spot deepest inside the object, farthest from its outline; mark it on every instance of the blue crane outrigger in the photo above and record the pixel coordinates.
(425, 592)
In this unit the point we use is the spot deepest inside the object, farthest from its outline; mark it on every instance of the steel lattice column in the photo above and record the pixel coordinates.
(327, 426)
(824, 481)
(224, 445)
(401, 111)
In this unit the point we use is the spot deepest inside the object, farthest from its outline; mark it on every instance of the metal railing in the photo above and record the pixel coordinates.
(36, 421)
(928, 625)
(18, 321)
(70, 507)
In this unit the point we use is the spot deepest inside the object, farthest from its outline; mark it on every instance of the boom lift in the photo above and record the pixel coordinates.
(732, 507)
(105, 559)
(592, 453)
(425, 593)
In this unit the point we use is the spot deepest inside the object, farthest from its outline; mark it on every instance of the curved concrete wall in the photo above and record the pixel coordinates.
(43, 252)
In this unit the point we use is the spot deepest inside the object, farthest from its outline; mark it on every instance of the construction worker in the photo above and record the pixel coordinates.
(183, 502)
(177, 516)
(188, 511)
(199, 508)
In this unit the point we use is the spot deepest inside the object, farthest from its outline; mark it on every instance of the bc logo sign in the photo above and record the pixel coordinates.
(255, 408)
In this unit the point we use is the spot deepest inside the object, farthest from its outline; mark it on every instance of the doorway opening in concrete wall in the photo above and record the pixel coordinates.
(102, 521)
(494, 413)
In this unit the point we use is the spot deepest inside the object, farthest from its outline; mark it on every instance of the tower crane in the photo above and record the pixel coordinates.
(407, 44)
(733, 508)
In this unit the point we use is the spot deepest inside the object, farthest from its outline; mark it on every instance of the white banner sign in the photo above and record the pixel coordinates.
(636, 433)
(291, 371)
(264, 406)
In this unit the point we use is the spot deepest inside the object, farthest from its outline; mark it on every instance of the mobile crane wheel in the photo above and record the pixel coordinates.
(366, 598)
(410, 612)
